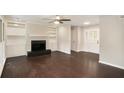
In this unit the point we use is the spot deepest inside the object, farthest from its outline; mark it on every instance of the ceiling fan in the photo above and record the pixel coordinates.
(59, 20)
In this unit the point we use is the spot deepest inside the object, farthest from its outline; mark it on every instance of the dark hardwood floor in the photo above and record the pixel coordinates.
(60, 65)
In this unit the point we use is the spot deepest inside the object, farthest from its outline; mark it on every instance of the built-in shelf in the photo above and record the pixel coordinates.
(52, 36)
(38, 35)
(15, 35)
(52, 33)
(16, 44)
(16, 25)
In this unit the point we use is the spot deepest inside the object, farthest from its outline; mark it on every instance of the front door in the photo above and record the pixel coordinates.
(91, 40)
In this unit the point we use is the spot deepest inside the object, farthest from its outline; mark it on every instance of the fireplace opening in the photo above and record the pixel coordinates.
(38, 45)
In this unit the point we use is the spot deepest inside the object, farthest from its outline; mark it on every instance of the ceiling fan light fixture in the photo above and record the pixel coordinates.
(58, 17)
(56, 22)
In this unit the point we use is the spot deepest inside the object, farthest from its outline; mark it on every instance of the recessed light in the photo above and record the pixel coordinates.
(86, 23)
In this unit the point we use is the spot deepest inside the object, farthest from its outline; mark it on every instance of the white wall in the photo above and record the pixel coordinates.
(64, 39)
(37, 29)
(2, 56)
(112, 41)
(74, 38)
(80, 38)
(2, 52)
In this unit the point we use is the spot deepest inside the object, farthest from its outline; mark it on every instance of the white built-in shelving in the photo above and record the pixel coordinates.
(16, 39)
(19, 36)
(52, 35)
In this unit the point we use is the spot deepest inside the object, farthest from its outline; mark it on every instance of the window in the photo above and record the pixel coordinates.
(91, 35)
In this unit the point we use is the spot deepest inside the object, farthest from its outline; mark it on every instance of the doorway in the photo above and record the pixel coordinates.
(85, 39)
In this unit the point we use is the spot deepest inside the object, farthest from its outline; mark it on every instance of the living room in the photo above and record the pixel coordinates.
(54, 44)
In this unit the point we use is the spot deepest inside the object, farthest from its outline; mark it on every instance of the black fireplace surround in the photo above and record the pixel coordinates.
(38, 48)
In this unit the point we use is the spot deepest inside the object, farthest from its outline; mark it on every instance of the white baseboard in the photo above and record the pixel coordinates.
(66, 52)
(88, 52)
(103, 62)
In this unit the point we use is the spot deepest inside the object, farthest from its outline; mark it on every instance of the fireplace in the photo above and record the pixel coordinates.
(38, 45)
(38, 48)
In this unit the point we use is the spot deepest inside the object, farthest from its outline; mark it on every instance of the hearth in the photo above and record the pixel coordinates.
(38, 48)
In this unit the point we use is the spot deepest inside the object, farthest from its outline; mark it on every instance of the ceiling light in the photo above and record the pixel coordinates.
(56, 22)
(86, 23)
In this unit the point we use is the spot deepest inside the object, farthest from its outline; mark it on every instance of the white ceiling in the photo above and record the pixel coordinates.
(77, 20)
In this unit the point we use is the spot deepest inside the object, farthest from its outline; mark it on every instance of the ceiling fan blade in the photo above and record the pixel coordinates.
(61, 22)
(65, 19)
